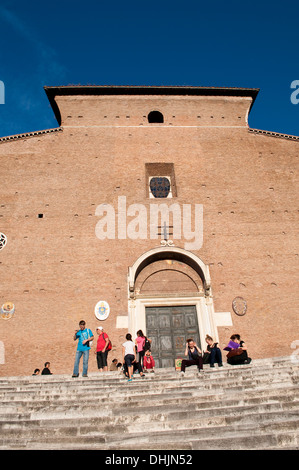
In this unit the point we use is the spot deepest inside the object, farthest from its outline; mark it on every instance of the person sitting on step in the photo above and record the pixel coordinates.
(237, 351)
(46, 370)
(148, 362)
(212, 353)
(115, 365)
(194, 356)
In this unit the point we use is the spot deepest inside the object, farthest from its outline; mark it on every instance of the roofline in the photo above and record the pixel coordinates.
(57, 129)
(273, 134)
(25, 135)
(67, 90)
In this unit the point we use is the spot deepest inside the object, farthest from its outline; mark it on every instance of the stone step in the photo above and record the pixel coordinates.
(259, 366)
(160, 401)
(157, 383)
(140, 386)
(168, 396)
(154, 421)
(239, 436)
(247, 407)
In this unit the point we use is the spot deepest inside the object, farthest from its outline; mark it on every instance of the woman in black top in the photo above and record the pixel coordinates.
(213, 353)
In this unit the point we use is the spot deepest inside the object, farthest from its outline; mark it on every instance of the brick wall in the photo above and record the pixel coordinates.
(54, 268)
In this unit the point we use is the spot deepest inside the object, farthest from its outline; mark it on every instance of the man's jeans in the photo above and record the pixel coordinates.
(85, 362)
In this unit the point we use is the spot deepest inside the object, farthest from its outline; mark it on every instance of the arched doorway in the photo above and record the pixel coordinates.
(170, 300)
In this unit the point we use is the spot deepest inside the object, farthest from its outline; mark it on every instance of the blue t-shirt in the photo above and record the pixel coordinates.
(82, 335)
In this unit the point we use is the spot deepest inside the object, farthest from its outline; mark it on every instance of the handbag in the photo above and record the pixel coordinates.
(205, 358)
(89, 343)
(234, 352)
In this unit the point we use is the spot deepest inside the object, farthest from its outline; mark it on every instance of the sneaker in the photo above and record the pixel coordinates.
(75, 375)
(182, 373)
(129, 380)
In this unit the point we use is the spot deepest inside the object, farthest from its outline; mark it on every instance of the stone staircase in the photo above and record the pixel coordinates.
(253, 406)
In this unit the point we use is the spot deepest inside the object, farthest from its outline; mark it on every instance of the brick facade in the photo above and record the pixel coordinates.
(55, 269)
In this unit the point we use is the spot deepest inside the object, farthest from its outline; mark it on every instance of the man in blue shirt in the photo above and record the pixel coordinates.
(84, 335)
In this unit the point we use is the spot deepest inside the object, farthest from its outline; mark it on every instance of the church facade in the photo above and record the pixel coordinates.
(152, 208)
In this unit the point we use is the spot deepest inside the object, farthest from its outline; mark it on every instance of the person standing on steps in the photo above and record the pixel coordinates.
(102, 351)
(129, 355)
(140, 341)
(84, 336)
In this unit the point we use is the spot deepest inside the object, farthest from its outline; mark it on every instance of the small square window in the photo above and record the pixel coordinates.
(160, 180)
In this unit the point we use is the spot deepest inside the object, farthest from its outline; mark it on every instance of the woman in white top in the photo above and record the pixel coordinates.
(129, 355)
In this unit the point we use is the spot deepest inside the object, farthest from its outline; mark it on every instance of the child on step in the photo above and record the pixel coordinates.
(148, 362)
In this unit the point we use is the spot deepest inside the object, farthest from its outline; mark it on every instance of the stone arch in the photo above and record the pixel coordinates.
(169, 253)
(184, 310)
(160, 277)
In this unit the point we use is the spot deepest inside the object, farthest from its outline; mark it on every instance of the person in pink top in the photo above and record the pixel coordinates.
(140, 341)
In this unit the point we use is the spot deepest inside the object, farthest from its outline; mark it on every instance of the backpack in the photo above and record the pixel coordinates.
(147, 345)
(109, 347)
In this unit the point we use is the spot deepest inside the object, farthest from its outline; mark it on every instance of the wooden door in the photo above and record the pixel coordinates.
(169, 328)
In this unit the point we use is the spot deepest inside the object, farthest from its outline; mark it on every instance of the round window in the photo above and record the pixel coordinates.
(160, 186)
(3, 240)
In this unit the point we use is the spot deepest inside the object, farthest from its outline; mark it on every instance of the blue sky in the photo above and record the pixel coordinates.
(197, 43)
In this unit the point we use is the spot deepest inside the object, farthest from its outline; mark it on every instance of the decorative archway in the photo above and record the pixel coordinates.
(169, 252)
(201, 300)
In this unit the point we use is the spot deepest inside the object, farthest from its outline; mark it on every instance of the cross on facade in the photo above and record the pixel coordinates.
(164, 232)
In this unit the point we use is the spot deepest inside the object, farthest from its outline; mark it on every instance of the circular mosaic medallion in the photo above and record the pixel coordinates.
(7, 310)
(160, 186)
(3, 240)
(102, 310)
(239, 306)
